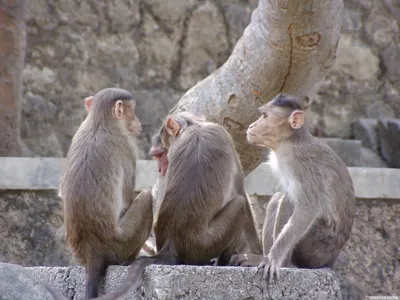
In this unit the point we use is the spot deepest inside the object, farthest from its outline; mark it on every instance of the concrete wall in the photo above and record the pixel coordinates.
(30, 213)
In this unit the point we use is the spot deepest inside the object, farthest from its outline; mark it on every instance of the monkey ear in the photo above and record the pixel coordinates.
(172, 126)
(296, 119)
(119, 109)
(88, 103)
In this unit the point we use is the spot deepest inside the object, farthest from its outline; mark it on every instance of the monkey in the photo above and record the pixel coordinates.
(250, 241)
(309, 221)
(201, 214)
(104, 223)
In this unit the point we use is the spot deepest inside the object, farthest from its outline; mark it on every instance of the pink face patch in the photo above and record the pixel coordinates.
(162, 161)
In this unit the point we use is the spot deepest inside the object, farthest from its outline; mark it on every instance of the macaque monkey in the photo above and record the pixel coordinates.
(104, 224)
(308, 223)
(250, 241)
(201, 214)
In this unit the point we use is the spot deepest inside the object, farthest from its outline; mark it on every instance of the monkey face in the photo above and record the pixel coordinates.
(270, 128)
(159, 153)
(134, 125)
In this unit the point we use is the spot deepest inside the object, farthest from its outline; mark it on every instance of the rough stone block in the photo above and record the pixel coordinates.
(371, 159)
(348, 150)
(366, 131)
(193, 282)
(389, 135)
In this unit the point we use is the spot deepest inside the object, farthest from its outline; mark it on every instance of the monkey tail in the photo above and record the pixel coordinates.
(135, 273)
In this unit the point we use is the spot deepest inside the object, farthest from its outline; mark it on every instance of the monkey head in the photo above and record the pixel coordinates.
(176, 125)
(123, 110)
(172, 128)
(159, 153)
(279, 119)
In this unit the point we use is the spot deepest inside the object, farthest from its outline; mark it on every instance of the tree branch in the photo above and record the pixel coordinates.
(288, 46)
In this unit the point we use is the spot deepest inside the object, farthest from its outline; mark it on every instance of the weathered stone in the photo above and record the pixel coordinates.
(366, 130)
(348, 150)
(191, 282)
(393, 7)
(237, 16)
(371, 159)
(350, 91)
(17, 284)
(157, 49)
(374, 268)
(29, 221)
(351, 20)
(355, 59)
(206, 45)
(390, 57)
(262, 182)
(389, 135)
(381, 29)
(42, 174)
(46, 142)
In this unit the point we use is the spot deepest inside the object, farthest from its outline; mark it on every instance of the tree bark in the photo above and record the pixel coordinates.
(12, 55)
(288, 47)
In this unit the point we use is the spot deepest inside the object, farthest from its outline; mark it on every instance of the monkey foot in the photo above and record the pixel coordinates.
(271, 269)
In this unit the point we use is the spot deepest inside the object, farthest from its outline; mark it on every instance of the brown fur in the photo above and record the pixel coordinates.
(308, 223)
(201, 215)
(250, 241)
(104, 223)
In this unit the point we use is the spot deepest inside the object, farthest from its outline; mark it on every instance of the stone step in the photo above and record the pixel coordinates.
(41, 174)
(174, 282)
(348, 150)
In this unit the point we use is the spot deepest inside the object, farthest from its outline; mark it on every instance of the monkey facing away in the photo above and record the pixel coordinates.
(201, 215)
(250, 241)
(104, 224)
(308, 223)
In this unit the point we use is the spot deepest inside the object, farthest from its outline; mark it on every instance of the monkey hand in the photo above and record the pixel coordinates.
(246, 260)
(271, 268)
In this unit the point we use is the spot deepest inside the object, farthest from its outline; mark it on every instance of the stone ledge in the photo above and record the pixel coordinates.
(187, 282)
(369, 183)
(43, 174)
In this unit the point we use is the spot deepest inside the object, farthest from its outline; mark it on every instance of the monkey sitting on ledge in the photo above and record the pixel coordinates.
(309, 222)
(104, 223)
(201, 214)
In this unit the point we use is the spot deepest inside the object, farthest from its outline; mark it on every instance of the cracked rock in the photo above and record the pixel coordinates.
(193, 282)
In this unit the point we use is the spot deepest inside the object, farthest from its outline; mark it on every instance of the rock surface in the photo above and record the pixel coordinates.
(348, 150)
(17, 284)
(389, 135)
(191, 282)
(366, 130)
(157, 49)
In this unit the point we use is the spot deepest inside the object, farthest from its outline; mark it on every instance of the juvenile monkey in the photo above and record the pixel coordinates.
(104, 224)
(308, 223)
(201, 215)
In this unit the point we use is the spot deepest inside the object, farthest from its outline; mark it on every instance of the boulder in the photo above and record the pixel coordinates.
(348, 150)
(366, 131)
(17, 284)
(389, 135)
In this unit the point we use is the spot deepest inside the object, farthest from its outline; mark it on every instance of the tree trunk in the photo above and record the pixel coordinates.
(12, 55)
(288, 47)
